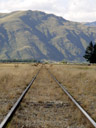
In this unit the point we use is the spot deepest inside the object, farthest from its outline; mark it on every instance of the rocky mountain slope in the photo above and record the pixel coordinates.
(41, 36)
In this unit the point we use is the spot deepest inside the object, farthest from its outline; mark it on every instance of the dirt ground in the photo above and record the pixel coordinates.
(46, 106)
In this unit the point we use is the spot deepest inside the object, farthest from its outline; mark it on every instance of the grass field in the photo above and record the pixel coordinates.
(80, 81)
(46, 106)
(13, 80)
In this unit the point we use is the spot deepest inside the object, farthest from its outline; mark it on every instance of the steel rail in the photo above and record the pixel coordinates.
(74, 101)
(13, 109)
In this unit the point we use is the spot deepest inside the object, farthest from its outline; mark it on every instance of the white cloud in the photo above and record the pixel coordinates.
(76, 10)
(81, 10)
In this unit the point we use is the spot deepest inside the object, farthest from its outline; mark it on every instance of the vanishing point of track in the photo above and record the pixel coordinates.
(49, 105)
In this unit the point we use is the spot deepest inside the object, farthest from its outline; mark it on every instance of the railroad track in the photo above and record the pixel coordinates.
(46, 105)
(13, 109)
(74, 101)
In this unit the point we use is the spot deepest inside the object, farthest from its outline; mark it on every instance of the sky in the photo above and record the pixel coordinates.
(73, 10)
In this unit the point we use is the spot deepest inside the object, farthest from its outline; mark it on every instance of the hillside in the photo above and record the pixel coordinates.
(41, 36)
(91, 24)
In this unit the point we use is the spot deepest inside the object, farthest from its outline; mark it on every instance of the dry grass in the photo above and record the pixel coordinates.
(13, 80)
(46, 106)
(80, 81)
(34, 110)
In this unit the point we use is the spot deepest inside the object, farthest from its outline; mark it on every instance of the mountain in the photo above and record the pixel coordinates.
(91, 24)
(37, 35)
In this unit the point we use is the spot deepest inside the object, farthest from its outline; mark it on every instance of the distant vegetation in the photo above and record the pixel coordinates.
(64, 62)
(90, 53)
(21, 60)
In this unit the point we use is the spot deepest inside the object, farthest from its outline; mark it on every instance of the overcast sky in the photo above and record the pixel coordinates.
(74, 10)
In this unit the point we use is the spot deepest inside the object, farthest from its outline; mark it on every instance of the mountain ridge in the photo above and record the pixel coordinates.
(37, 35)
(92, 24)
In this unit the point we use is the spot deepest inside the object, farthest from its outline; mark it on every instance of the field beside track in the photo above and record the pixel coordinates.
(46, 105)
(13, 80)
(80, 81)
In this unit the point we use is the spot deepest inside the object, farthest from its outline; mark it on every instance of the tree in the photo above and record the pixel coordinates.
(94, 54)
(90, 53)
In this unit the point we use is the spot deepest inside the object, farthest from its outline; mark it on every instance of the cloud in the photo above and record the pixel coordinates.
(81, 10)
(75, 10)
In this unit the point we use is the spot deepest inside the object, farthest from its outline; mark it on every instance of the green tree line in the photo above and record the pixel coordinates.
(20, 60)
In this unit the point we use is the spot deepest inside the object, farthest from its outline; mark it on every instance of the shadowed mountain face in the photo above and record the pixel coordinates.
(41, 36)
